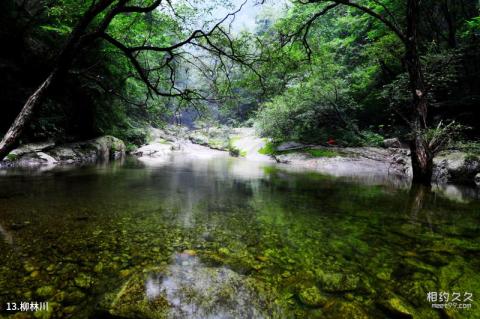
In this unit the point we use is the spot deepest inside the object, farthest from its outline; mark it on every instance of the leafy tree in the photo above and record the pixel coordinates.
(137, 36)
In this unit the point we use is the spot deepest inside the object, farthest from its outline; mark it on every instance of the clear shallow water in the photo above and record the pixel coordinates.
(227, 238)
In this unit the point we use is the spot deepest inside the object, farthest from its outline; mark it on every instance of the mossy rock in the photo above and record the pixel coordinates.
(350, 310)
(47, 313)
(74, 296)
(396, 307)
(414, 288)
(337, 282)
(11, 157)
(46, 291)
(83, 281)
(312, 297)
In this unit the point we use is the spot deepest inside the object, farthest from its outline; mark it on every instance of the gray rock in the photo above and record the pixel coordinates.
(46, 158)
(63, 153)
(154, 150)
(290, 146)
(32, 147)
(456, 167)
(392, 143)
(213, 137)
(46, 154)
(199, 138)
(477, 179)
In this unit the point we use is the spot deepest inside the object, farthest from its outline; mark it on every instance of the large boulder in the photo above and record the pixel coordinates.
(47, 154)
(157, 149)
(392, 143)
(456, 167)
(213, 137)
(32, 147)
(337, 282)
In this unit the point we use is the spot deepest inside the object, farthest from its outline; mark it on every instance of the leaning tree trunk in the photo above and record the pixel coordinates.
(13, 134)
(64, 60)
(422, 157)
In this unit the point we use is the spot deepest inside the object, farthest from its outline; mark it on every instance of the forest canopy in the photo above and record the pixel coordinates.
(308, 71)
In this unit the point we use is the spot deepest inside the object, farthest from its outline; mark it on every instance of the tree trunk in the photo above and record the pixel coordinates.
(63, 63)
(449, 18)
(422, 157)
(10, 139)
(422, 161)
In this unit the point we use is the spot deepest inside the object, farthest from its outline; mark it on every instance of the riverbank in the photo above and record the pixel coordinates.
(48, 154)
(390, 162)
(451, 167)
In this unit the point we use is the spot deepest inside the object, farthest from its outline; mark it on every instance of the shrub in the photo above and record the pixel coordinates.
(309, 113)
(372, 139)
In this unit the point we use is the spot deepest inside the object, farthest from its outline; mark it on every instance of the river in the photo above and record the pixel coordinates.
(231, 238)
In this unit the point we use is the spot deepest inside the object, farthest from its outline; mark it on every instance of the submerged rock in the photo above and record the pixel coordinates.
(46, 291)
(74, 296)
(83, 281)
(350, 310)
(192, 291)
(337, 282)
(396, 307)
(312, 297)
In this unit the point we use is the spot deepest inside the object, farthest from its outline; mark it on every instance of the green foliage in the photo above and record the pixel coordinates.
(12, 157)
(270, 148)
(320, 152)
(344, 79)
(372, 138)
(352, 85)
(311, 111)
(101, 94)
(472, 28)
(467, 146)
(233, 150)
(442, 136)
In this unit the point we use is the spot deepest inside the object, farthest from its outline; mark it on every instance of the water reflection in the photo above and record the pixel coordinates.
(191, 289)
(229, 238)
(7, 236)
